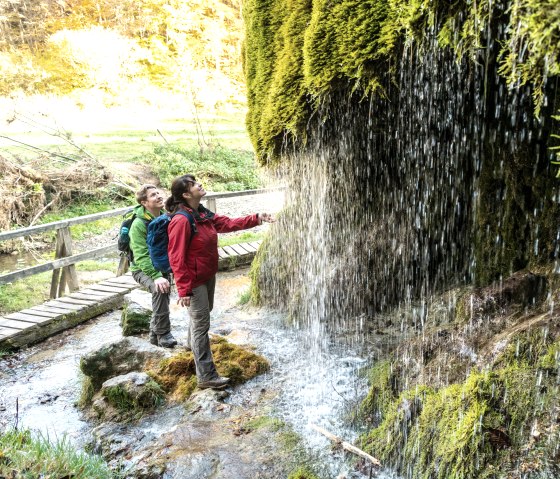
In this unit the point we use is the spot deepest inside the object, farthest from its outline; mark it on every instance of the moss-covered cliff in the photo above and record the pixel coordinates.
(298, 51)
(441, 118)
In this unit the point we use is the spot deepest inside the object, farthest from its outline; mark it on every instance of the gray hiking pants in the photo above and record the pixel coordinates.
(160, 323)
(202, 303)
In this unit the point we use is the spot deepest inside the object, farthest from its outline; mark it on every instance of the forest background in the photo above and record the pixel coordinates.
(98, 96)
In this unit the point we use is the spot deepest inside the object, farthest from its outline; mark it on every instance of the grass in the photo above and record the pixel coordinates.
(24, 454)
(246, 237)
(127, 143)
(84, 207)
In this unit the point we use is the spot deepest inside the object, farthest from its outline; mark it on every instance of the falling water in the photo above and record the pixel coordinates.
(439, 181)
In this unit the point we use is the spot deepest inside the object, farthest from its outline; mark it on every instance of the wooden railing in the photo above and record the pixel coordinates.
(64, 272)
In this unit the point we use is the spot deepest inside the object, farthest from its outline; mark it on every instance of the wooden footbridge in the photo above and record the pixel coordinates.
(70, 304)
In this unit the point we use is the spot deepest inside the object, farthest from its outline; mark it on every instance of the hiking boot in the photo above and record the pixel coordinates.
(166, 340)
(216, 383)
(153, 338)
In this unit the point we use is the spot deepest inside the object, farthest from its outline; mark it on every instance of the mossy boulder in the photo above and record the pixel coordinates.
(118, 358)
(135, 319)
(132, 391)
(493, 417)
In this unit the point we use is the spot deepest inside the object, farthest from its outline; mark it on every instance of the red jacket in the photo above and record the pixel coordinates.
(195, 261)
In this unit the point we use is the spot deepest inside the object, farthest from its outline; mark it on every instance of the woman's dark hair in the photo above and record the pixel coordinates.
(179, 186)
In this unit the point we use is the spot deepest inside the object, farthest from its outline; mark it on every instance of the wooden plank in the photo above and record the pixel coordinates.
(57, 277)
(230, 251)
(17, 233)
(7, 332)
(6, 235)
(250, 248)
(28, 318)
(124, 280)
(239, 249)
(95, 293)
(53, 310)
(108, 289)
(222, 253)
(87, 297)
(255, 244)
(14, 324)
(39, 312)
(117, 285)
(58, 304)
(70, 270)
(85, 302)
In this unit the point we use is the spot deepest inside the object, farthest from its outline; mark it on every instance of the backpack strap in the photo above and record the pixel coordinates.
(190, 219)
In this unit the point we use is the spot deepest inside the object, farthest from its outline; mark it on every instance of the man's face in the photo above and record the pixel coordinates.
(154, 200)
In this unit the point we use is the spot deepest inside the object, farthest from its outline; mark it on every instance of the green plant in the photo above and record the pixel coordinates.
(244, 297)
(24, 454)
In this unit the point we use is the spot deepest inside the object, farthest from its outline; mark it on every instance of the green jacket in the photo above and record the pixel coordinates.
(138, 232)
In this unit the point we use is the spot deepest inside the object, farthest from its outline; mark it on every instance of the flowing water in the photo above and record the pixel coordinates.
(313, 383)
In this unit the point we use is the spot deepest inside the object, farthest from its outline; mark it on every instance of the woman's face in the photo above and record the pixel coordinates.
(196, 191)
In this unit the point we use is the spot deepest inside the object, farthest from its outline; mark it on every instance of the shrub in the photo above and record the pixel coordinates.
(217, 167)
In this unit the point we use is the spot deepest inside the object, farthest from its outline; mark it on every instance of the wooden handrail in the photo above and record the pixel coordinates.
(31, 230)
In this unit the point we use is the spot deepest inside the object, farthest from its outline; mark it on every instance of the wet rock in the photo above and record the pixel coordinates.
(132, 391)
(208, 402)
(135, 318)
(118, 358)
(522, 289)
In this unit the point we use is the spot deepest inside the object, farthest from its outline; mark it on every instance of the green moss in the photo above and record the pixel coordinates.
(382, 391)
(302, 473)
(152, 395)
(481, 427)
(87, 391)
(266, 422)
(134, 321)
(299, 51)
(177, 374)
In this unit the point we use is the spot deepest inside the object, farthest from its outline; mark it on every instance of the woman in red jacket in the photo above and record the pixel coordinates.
(193, 256)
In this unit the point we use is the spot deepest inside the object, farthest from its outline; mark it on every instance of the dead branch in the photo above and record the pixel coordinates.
(346, 445)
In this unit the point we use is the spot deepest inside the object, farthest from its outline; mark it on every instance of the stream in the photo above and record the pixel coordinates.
(311, 381)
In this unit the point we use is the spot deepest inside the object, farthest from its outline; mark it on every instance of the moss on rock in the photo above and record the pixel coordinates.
(177, 374)
(489, 425)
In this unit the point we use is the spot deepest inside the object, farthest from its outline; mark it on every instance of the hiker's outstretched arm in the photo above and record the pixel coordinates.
(224, 224)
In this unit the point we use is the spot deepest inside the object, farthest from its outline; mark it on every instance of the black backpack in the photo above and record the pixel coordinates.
(123, 242)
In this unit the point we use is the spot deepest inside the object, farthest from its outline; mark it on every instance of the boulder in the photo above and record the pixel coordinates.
(132, 391)
(135, 318)
(118, 358)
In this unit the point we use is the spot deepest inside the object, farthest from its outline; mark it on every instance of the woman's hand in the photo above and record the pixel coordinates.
(184, 301)
(267, 217)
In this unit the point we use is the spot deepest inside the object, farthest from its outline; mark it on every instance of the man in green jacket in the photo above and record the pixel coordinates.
(150, 206)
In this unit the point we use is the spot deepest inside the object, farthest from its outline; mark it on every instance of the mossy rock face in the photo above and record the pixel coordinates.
(520, 290)
(135, 319)
(498, 420)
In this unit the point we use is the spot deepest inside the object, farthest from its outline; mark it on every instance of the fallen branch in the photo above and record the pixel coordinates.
(346, 445)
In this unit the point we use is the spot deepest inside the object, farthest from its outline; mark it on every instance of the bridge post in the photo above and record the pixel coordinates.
(211, 204)
(68, 275)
